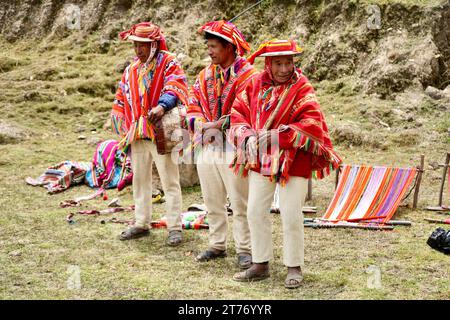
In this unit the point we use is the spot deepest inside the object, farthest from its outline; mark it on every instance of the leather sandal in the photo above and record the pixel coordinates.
(134, 233)
(174, 238)
(244, 261)
(251, 275)
(210, 254)
(293, 280)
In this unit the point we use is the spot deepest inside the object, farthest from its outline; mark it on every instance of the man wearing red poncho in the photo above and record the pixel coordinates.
(210, 102)
(281, 137)
(153, 84)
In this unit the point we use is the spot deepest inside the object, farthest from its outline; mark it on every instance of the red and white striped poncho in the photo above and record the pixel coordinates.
(211, 86)
(140, 90)
(304, 147)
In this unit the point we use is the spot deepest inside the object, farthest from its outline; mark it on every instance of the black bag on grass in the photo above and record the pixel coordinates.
(440, 240)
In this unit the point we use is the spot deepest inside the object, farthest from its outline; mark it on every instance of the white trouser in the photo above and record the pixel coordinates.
(217, 181)
(143, 153)
(292, 197)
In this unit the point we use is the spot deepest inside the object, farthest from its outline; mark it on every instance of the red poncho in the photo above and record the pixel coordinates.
(292, 111)
(139, 91)
(213, 93)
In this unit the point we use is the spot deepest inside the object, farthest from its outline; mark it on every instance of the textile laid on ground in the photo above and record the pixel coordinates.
(61, 176)
(107, 166)
(113, 207)
(190, 220)
(105, 170)
(368, 194)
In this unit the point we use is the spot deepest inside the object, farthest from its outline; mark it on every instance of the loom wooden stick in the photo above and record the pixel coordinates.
(446, 221)
(187, 225)
(444, 175)
(365, 219)
(337, 177)
(444, 212)
(438, 209)
(99, 192)
(309, 195)
(399, 223)
(343, 226)
(100, 212)
(304, 210)
(309, 209)
(419, 180)
(389, 223)
(116, 220)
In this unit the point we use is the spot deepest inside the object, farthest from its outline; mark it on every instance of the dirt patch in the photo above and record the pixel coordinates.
(94, 87)
(47, 74)
(407, 137)
(441, 37)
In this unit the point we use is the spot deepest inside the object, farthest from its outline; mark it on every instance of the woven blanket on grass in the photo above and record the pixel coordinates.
(105, 170)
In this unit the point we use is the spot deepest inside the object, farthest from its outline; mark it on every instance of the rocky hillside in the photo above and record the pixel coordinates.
(408, 45)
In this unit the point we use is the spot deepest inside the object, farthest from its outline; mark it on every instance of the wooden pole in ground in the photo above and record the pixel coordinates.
(309, 196)
(337, 177)
(444, 175)
(419, 180)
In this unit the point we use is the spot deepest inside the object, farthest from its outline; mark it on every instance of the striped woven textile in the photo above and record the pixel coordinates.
(212, 95)
(368, 194)
(105, 170)
(139, 91)
(109, 165)
(61, 176)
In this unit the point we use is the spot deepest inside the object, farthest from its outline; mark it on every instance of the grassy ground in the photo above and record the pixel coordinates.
(53, 90)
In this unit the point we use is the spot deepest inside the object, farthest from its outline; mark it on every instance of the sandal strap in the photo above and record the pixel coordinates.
(251, 275)
(210, 254)
(132, 232)
(293, 280)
